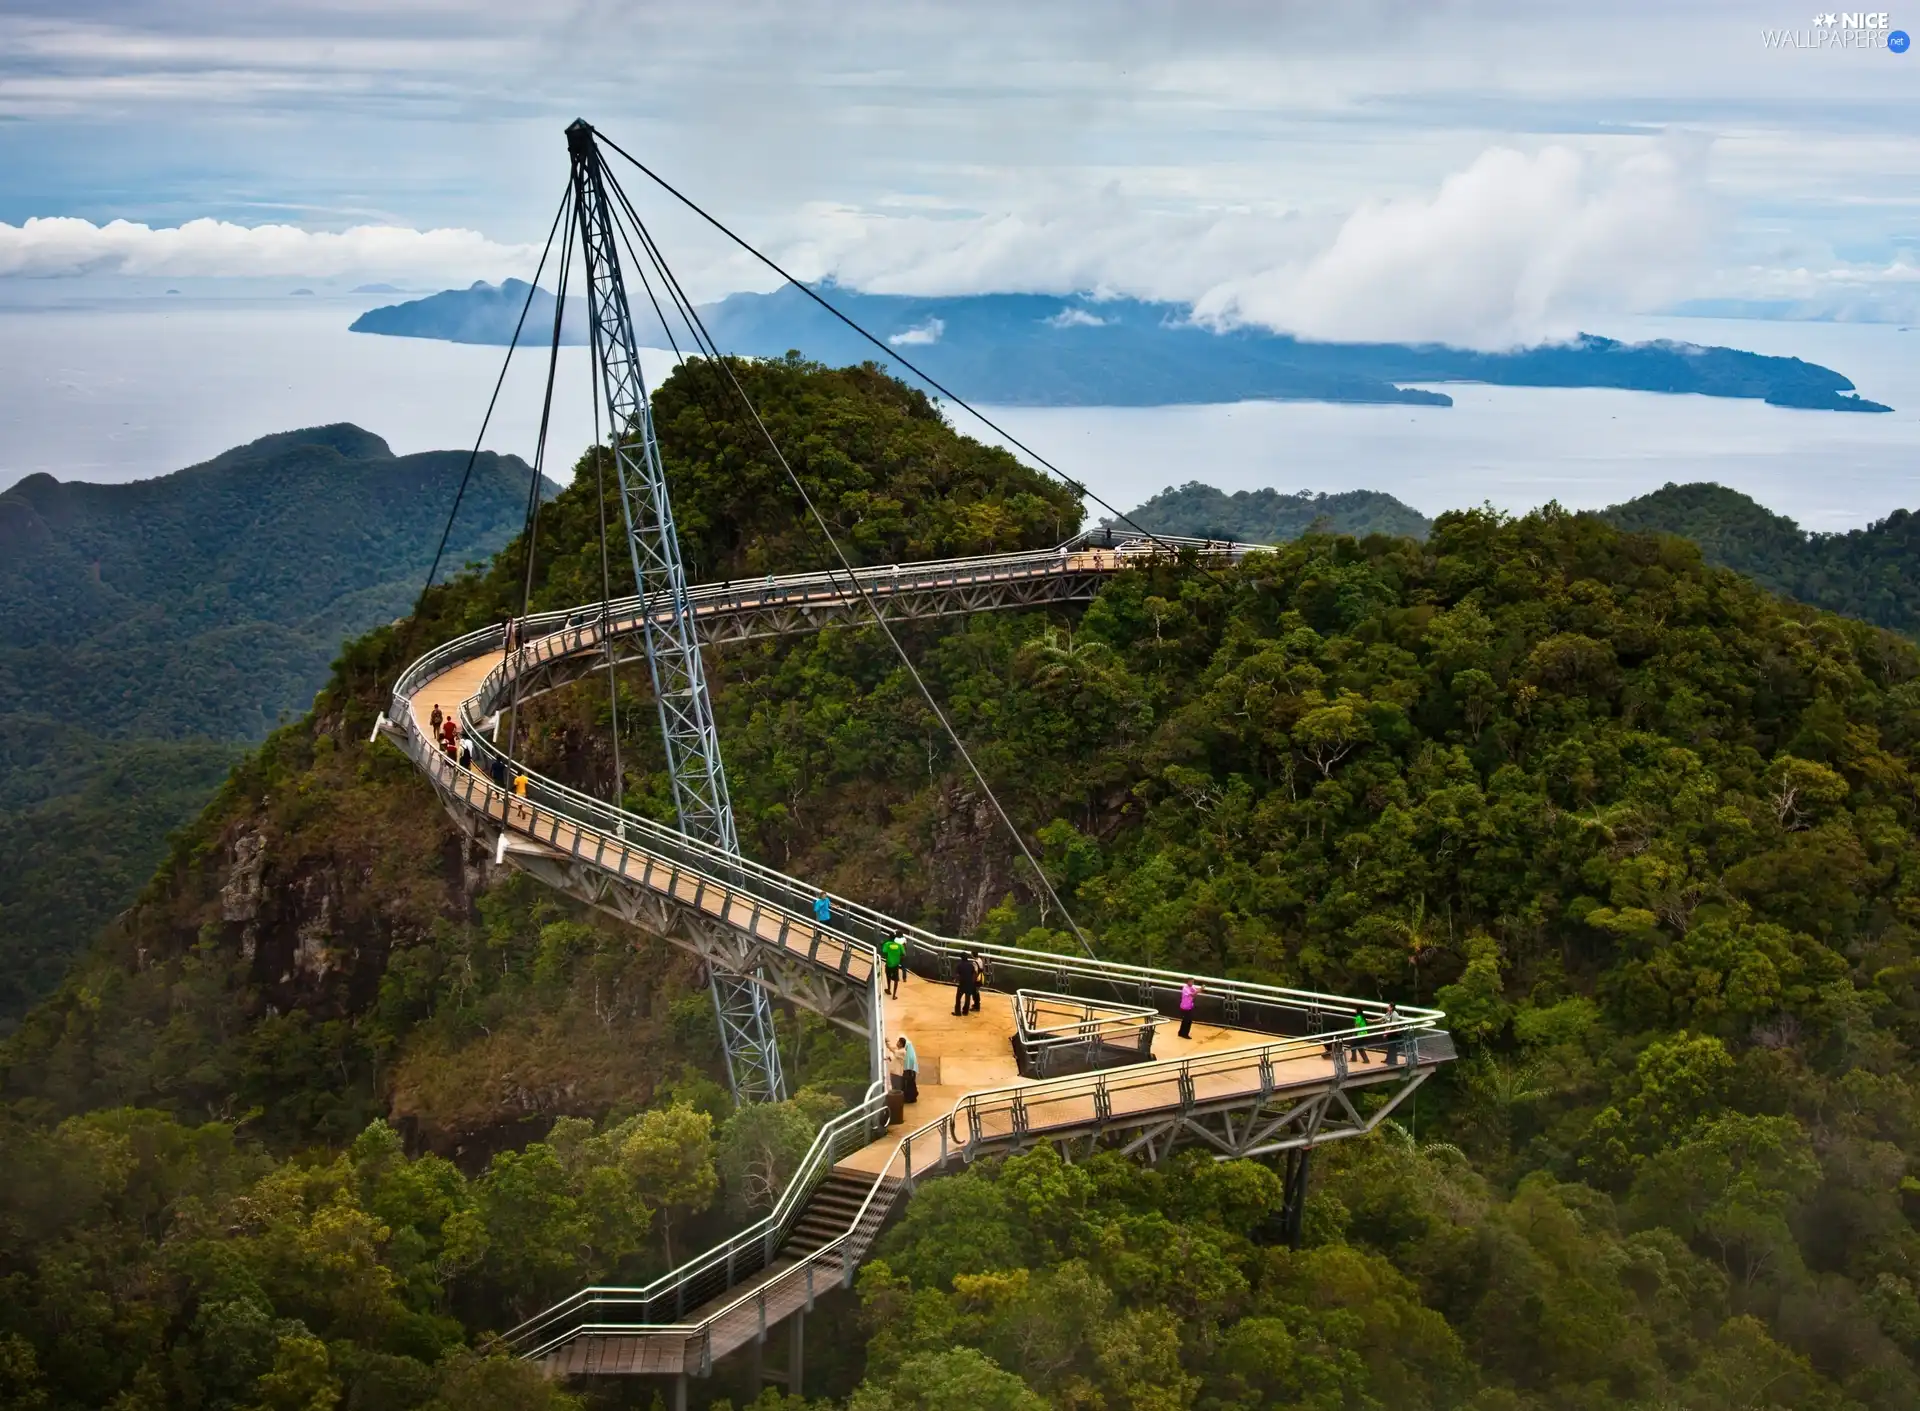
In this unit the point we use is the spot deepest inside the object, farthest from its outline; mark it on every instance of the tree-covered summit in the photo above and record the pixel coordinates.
(1273, 517)
(150, 631)
(1871, 573)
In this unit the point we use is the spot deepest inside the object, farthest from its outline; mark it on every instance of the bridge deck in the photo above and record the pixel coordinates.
(963, 1054)
(452, 688)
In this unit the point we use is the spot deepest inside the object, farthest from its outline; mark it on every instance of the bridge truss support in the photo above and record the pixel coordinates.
(724, 949)
(1291, 1122)
(747, 1037)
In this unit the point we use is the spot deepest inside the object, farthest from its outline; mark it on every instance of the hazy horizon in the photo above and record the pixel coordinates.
(84, 397)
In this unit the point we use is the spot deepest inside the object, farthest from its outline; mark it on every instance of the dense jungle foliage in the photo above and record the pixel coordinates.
(335, 1098)
(1871, 573)
(150, 631)
(1273, 517)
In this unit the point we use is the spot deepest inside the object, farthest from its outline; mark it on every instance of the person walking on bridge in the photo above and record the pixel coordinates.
(823, 909)
(1358, 1048)
(434, 720)
(893, 951)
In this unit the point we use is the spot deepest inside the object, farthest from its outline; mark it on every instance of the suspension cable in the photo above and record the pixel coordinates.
(694, 322)
(498, 382)
(539, 468)
(891, 352)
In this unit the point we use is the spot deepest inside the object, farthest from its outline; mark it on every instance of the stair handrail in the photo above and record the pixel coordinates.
(1096, 1020)
(940, 1143)
(774, 1226)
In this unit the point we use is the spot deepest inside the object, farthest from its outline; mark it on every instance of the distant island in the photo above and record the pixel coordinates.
(1275, 517)
(480, 313)
(1044, 350)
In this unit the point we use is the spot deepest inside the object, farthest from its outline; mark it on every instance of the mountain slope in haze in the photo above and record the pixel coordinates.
(1647, 833)
(149, 630)
(480, 313)
(1274, 517)
(1044, 350)
(1872, 573)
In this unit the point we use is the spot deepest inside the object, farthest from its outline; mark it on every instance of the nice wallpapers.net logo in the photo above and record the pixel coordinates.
(1839, 31)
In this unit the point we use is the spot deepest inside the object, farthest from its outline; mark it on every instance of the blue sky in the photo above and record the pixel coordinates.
(1478, 173)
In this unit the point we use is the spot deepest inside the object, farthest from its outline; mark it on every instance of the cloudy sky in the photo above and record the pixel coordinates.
(1482, 174)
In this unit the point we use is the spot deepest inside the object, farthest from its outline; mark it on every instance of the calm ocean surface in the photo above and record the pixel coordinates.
(122, 391)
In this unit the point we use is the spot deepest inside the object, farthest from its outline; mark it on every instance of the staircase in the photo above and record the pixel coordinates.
(830, 1212)
(799, 1273)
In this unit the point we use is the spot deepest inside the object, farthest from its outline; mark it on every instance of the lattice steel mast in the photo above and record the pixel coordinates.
(673, 647)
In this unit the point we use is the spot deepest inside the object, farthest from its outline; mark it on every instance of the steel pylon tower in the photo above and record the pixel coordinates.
(673, 648)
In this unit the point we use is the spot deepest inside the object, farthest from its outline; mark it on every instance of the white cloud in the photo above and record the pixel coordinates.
(63, 245)
(920, 335)
(1076, 318)
(1513, 248)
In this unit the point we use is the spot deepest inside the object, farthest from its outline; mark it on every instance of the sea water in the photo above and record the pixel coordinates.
(123, 390)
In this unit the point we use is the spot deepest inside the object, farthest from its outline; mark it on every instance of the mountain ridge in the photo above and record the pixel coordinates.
(1872, 573)
(150, 629)
(1269, 516)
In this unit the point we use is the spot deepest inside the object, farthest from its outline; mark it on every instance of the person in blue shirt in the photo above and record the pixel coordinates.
(822, 909)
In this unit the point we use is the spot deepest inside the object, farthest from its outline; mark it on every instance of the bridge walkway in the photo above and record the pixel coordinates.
(1266, 1069)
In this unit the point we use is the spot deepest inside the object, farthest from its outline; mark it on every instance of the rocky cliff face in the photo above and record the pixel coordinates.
(324, 926)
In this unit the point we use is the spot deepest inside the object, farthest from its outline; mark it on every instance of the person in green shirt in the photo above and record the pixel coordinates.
(1359, 1045)
(893, 953)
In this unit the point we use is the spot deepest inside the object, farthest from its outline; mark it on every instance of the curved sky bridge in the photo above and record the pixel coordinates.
(1265, 1070)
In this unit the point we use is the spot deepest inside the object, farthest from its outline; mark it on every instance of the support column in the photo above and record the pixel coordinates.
(747, 1037)
(796, 1351)
(1294, 1206)
(679, 1397)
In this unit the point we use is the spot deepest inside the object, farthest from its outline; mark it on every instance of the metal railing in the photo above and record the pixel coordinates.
(1001, 1117)
(1055, 1034)
(777, 911)
(662, 1303)
(1018, 1113)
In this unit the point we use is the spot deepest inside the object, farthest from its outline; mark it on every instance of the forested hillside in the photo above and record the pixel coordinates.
(1272, 517)
(1646, 832)
(150, 631)
(1871, 573)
